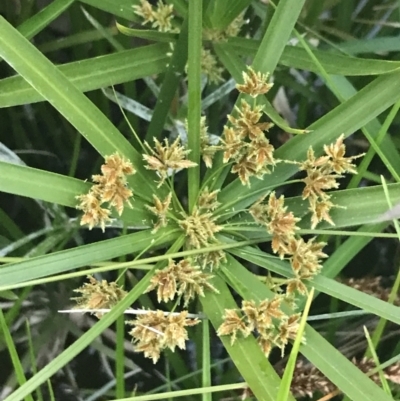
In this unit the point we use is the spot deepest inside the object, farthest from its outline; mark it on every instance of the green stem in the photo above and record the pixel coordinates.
(194, 92)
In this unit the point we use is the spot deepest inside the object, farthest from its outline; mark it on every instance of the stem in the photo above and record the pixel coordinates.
(194, 92)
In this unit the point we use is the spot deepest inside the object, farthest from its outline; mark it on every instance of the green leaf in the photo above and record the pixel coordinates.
(222, 12)
(65, 97)
(357, 206)
(348, 249)
(365, 205)
(296, 57)
(284, 388)
(70, 259)
(195, 19)
(18, 369)
(9, 295)
(277, 35)
(40, 184)
(379, 45)
(43, 18)
(93, 73)
(70, 102)
(120, 8)
(149, 34)
(171, 81)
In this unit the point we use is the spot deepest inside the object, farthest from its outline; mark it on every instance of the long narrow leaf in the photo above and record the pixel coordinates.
(92, 73)
(70, 259)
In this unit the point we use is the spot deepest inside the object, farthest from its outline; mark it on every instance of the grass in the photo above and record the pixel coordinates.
(108, 82)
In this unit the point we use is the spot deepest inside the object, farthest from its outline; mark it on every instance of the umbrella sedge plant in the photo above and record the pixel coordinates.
(199, 210)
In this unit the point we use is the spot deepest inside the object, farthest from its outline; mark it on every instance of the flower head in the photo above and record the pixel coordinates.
(180, 279)
(155, 331)
(232, 325)
(254, 83)
(111, 187)
(200, 228)
(247, 123)
(167, 157)
(160, 209)
(99, 295)
(338, 163)
(159, 17)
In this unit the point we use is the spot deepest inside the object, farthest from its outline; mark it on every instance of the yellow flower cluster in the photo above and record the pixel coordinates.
(111, 187)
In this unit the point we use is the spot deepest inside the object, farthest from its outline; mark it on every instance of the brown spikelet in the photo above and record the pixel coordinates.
(372, 286)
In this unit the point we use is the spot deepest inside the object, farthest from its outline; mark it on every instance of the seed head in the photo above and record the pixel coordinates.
(165, 157)
(160, 209)
(247, 124)
(98, 295)
(254, 83)
(232, 325)
(110, 187)
(159, 18)
(180, 279)
(155, 331)
(200, 228)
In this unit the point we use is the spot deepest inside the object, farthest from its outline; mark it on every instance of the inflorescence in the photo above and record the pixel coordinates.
(161, 17)
(244, 147)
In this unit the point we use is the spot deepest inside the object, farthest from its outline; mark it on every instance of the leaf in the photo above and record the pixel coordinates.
(169, 86)
(67, 260)
(296, 57)
(43, 18)
(40, 184)
(149, 34)
(356, 206)
(120, 8)
(222, 12)
(92, 73)
(70, 102)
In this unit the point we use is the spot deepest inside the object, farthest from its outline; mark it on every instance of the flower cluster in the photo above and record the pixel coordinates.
(200, 227)
(304, 256)
(254, 83)
(181, 279)
(308, 380)
(373, 286)
(159, 17)
(244, 142)
(244, 145)
(273, 326)
(215, 35)
(209, 64)
(111, 187)
(208, 147)
(322, 174)
(251, 158)
(98, 295)
(160, 209)
(210, 67)
(166, 158)
(156, 330)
